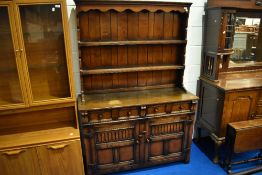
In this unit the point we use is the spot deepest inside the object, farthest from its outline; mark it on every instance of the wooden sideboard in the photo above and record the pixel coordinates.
(38, 122)
(235, 97)
(133, 110)
(230, 86)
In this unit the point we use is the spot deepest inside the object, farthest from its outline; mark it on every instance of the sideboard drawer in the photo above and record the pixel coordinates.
(156, 109)
(179, 107)
(124, 113)
(96, 116)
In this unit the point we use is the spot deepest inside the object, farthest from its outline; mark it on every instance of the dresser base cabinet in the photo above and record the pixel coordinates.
(140, 134)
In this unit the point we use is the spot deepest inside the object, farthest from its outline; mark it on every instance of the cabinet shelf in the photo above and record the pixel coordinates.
(140, 42)
(130, 69)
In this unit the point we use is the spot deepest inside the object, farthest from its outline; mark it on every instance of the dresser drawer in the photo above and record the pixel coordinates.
(179, 107)
(156, 109)
(124, 113)
(96, 116)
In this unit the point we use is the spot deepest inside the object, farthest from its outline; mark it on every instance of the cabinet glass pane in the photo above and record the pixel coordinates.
(45, 50)
(10, 90)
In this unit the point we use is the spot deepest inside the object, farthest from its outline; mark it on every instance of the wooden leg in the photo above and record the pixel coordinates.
(218, 142)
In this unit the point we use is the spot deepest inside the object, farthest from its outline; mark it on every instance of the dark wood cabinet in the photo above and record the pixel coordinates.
(139, 134)
(231, 79)
(133, 110)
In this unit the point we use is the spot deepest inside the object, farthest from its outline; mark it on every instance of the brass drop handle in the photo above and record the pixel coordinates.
(14, 152)
(148, 140)
(100, 116)
(156, 109)
(137, 142)
(55, 147)
(253, 115)
(129, 113)
(259, 2)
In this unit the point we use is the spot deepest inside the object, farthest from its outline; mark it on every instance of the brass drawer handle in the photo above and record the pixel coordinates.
(156, 109)
(100, 116)
(12, 153)
(129, 113)
(55, 147)
(143, 107)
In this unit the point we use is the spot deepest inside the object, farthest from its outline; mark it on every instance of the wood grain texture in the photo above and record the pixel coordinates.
(100, 101)
(61, 158)
(23, 163)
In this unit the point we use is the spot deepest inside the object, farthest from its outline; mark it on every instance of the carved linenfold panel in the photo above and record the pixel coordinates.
(166, 128)
(118, 134)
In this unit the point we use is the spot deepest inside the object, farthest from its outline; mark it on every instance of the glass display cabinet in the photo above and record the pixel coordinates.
(37, 99)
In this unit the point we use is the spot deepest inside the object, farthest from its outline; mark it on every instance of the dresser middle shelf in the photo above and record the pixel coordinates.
(111, 70)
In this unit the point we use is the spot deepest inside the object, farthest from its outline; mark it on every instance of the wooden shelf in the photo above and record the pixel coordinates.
(134, 98)
(141, 42)
(130, 69)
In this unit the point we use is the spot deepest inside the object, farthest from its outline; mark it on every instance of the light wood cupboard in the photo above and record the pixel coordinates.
(37, 98)
(51, 159)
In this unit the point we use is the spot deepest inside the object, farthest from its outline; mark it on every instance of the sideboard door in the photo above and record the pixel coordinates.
(166, 139)
(239, 106)
(63, 158)
(19, 162)
(111, 147)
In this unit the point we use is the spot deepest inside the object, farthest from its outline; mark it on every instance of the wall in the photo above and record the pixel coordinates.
(193, 50)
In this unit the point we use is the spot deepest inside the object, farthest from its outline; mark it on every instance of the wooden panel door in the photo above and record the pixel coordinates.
(19, 162)
(111, 147)
(166, 139)
(63, 158)
(239, 106)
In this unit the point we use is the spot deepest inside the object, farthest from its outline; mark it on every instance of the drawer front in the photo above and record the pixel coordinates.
(169, 108)
(125, 113)
(156, 109)
(95, 116)
(180, 107)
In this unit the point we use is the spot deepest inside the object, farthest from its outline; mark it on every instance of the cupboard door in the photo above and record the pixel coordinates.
(168, 138)
(111, 147)
(61, 158)
(11, 94)
(239, 106)
(44, 43)
(19, 162)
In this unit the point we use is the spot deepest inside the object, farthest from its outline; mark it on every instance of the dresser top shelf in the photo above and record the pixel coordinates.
(134, 98)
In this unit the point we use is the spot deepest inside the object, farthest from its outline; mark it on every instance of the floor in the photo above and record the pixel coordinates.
(199, 164)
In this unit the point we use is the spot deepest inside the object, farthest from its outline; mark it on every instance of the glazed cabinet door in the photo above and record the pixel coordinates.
(19, 162)
(44, 50)
(239, 106)
(111, 147)
(63, 158)
(12, 92)
(167, 139)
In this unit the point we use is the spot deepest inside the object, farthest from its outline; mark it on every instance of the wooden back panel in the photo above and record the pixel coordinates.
(127, 25)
